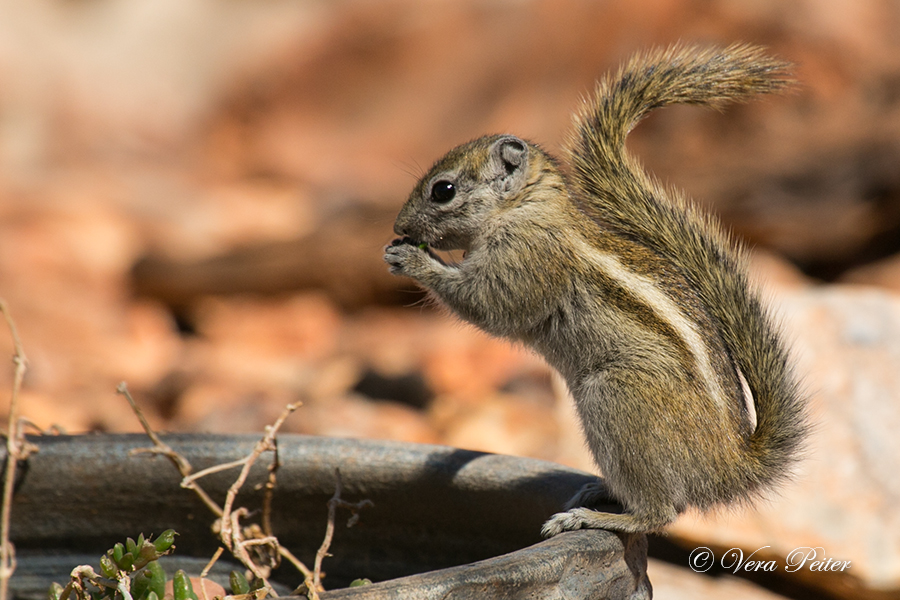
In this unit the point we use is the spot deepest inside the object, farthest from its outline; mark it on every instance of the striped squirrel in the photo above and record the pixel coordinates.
(642, 303)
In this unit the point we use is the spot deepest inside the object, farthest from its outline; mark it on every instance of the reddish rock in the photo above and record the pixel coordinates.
(884, 273)
(680, 583)
(500, 423)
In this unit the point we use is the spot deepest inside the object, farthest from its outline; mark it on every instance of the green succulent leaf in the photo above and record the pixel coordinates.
(108, 566)
(181, 587)
(146, 554)
(127, 563)
(54, 592)
(140, 584)
(118, 552)
(149, 580)
(239, 583)
(157, 580)
(165, 540)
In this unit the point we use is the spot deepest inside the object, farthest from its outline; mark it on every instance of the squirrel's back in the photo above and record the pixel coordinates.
(611, 187)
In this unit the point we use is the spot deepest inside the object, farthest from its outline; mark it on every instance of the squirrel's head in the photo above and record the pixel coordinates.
(463, 190)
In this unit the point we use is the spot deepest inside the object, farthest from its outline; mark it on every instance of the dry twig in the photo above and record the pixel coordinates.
(83, 573)
(17, 449)
(265, 444)
(227, 526)
(205, 572)
(333, 504)
(269, 486)
(160, 447)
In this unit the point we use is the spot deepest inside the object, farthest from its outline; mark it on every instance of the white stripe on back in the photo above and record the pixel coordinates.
(645, 290)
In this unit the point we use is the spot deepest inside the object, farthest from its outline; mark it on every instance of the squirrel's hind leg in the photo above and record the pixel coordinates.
(595, 495)
(586, 518)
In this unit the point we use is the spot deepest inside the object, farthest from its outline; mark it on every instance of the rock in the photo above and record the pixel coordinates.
(680, 583)
(203, 588)
(773, 274)
(884, 273)
(501, 423)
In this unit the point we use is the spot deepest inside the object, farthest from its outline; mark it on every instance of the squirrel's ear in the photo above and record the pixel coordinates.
(508, 155)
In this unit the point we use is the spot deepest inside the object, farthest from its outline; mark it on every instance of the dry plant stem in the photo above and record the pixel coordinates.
(228, 526)
(266, 443)
(329, 532)
(82, 572)
(333, 505)
(124, 586)
(288, 555)
(239, 549)
(160, 447)
(263, 541)
(205, 572)
(211, 562)
(16, 450)
(74, 585)
(269, 493)
(189, 480)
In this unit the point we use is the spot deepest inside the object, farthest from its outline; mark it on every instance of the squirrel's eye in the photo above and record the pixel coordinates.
(443, 192)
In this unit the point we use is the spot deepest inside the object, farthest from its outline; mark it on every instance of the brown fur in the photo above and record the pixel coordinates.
(638, 300)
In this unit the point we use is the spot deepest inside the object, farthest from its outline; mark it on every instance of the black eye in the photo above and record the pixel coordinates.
(443, 192)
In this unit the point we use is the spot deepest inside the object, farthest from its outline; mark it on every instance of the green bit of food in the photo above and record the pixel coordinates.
(423, 246)
(360, 582)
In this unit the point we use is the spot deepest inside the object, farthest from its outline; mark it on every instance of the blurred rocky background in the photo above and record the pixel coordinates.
(194, 197)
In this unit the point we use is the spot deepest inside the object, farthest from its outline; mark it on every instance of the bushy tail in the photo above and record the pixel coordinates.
(614, 189)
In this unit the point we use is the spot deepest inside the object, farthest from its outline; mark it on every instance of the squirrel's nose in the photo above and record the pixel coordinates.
(401, 223)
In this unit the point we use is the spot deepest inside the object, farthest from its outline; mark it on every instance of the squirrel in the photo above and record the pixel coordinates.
(682, 383)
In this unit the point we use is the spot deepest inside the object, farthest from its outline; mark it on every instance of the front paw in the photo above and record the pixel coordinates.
(407, 258)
